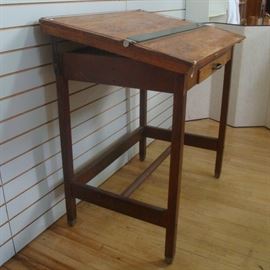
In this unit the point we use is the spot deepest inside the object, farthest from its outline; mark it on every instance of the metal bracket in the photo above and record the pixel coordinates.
(155, 35)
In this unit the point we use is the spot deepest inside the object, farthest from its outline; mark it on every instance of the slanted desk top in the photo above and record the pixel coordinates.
(181, 52)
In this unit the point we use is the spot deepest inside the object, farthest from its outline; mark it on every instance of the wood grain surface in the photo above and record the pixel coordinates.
(223, 224)
(179, 52)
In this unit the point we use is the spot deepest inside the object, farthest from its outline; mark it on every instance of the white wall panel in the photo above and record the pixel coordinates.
(2, 200)
(21, 15)
(254, 84)
(25, 122)
(25, 59)
(157, 5)
(6, 242)
(17, 38)
(250, 88)
(25, 80)
(30, 159)
(99, 121)
(32, 176)
(21, 144)
(32, 119)
(32, 195)
(33, 229)
(3, 215)
(27, 101)
(198, 101)
(29, 141)
(179, 14)
(36, 210)
(4, 233)
(6, 252)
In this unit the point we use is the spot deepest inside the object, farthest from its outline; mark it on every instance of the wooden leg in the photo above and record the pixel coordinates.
(223, 118)
(65, 135)
(178, 126)
(143, 122)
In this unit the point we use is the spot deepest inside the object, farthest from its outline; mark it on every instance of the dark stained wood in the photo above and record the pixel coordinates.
(129, 207)
(142, 177)
(189, 139)
(256, 9)
(107, 31)
(65, 133)
(223, 118)
(201, 141)
(108, 156)
(114, 70)
(158, 133)
(253, 8)
(177, 146)
(143, 123)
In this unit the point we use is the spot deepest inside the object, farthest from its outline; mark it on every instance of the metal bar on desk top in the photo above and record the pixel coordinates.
(155, 35)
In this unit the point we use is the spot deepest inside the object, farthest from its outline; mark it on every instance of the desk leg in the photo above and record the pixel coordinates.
(178, 130)
(66, 145)
(223, 118)
(143, 123)
(65, 134)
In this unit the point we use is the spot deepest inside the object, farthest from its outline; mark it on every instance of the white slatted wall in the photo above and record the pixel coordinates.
(31, 192)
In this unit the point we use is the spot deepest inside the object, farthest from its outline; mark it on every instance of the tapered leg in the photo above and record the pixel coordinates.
(178, 126)
(143, 122)
(65, 135)
(223, 118)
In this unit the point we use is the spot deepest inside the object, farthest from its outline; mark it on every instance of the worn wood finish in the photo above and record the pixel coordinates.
(177, 145)
(107, 32)
(196, 140)
(129, 207)
(143, 123)
(158, 133)
(156, 64)
(65, 132)
(101, 67)
(142, 177)
(201, 141)
(222, 224)
(223, 118)
(108, 156)
(210, 68)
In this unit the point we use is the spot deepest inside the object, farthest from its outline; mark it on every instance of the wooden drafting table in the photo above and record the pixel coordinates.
(138, 49)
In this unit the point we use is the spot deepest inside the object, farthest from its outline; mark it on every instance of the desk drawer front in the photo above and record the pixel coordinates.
(210, 68)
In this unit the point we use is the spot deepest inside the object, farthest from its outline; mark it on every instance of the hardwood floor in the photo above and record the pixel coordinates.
(223, 224)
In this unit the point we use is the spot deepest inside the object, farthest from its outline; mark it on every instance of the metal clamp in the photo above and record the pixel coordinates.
(155, 35)
(127, 42)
